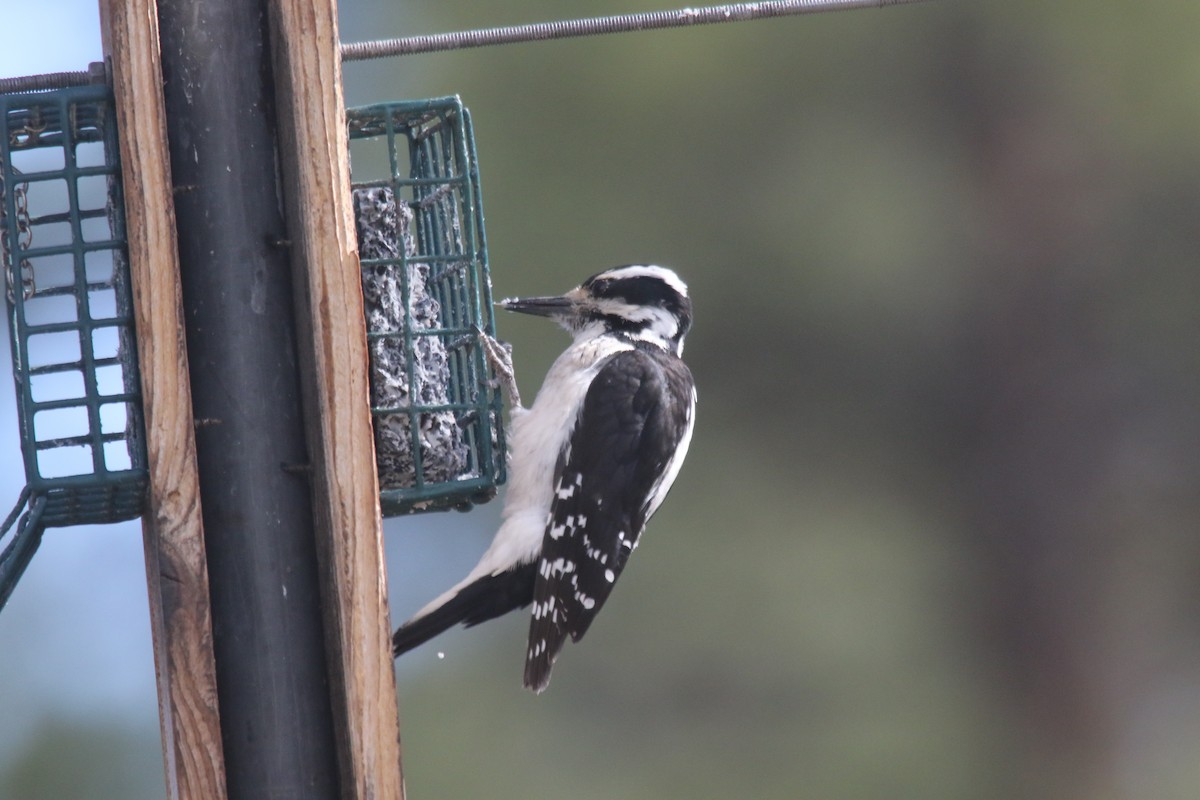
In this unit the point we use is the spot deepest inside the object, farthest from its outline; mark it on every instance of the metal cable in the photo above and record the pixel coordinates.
(54, 80)
(594, 26)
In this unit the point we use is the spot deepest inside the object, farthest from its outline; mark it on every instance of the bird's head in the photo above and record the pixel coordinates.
(641, 302)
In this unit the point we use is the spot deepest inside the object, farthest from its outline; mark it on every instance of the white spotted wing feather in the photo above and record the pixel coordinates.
(624, 452)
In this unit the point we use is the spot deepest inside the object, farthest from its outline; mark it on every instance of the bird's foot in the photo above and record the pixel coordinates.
(499, 357)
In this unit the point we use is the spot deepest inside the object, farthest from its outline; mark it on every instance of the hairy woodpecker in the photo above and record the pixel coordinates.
(590, 462)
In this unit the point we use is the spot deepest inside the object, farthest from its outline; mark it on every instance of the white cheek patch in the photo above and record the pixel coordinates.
(614, 308)
(662, 323)
(660, 326)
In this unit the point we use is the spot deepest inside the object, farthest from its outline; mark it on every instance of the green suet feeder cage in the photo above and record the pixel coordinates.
(70, 308)
(436, 410)
(70, 312)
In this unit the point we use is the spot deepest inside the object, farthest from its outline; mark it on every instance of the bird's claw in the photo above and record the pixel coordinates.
(499, 357)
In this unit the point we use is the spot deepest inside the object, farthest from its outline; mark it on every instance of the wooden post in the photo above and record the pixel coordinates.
(333, 350)
(176, 572)
(252, 448)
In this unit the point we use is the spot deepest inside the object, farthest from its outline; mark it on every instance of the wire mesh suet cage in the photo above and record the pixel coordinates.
(436, 411)
(70, 308)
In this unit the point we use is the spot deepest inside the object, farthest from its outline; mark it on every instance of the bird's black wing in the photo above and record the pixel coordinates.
(635, 414)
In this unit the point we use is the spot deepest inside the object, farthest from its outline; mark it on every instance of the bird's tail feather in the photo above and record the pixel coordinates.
(543, 650)
(478, 601)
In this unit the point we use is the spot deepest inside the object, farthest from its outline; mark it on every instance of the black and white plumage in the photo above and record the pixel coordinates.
(590, 462)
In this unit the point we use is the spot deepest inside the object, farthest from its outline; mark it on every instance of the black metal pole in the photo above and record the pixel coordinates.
(272, 684)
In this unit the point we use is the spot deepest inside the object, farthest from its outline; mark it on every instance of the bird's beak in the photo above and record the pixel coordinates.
(539, 306)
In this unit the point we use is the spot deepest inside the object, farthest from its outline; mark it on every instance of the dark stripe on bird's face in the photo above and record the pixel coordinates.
(641, 290)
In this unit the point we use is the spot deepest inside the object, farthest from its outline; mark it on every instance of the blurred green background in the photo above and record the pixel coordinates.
(937, 534)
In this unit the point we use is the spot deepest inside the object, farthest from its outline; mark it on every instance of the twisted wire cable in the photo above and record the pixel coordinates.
(596, 26)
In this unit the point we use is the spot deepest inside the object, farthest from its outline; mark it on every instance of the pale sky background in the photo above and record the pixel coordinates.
(74, 638)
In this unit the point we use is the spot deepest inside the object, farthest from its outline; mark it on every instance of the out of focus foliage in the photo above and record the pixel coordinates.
(84, 760)
(936, 536)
